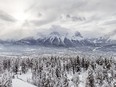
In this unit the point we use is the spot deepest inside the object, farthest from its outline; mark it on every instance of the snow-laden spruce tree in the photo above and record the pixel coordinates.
(6, 79)
(90, 82)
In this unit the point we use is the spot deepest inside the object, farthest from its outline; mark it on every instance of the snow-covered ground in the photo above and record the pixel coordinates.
(26, 77)
(19, 83)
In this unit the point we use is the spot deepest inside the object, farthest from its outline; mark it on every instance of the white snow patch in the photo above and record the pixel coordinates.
(20, 83)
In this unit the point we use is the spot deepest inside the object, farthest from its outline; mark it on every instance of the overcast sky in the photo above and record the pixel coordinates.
(23, 18)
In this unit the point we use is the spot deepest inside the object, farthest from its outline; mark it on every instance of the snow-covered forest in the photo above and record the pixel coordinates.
(58, 71)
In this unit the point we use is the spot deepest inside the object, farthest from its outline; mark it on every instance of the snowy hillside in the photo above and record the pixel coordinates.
(58, 71)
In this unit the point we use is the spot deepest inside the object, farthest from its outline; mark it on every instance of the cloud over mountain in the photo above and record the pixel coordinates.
(22, 18)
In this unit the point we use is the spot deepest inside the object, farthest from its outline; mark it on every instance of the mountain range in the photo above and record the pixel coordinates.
(56, 39)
